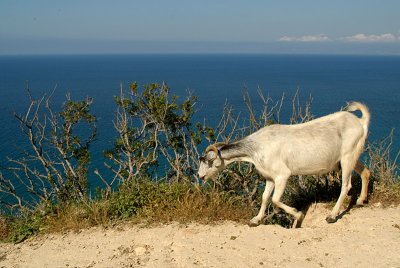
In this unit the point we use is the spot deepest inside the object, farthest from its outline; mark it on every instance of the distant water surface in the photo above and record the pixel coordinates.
(215, 79)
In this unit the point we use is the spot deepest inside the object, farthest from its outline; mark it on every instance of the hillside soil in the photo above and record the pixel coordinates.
(363, 237)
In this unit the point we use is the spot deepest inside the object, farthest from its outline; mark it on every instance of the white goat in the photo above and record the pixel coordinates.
(312, 148)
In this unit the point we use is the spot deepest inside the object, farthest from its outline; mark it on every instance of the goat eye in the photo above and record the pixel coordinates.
(210, 163)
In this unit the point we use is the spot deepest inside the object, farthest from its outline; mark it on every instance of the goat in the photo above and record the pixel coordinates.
(312, 148)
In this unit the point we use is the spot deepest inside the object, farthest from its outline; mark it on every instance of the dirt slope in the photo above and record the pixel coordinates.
(365, 237)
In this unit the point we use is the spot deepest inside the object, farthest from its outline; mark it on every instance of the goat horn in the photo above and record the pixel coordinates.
(218, 144)
(212, 148)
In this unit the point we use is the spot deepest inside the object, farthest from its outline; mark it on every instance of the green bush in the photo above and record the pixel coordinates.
(132, 197)
(23, 228)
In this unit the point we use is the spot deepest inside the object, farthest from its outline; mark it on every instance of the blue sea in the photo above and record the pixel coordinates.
(214, 79)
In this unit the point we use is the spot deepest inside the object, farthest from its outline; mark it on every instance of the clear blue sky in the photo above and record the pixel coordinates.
(120, 26)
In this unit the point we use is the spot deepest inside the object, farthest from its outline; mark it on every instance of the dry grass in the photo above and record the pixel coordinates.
(386, 195)
(192, 206)
(4, 229)
(76, 217)
(200, 206)
(385, 178)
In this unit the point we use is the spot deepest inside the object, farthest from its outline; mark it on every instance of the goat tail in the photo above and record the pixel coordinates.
(366, 116)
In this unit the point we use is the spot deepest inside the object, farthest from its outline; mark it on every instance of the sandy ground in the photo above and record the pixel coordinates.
(365, 237)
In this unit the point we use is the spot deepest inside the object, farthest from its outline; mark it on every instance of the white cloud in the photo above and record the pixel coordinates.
(387, 37)
(305, 38)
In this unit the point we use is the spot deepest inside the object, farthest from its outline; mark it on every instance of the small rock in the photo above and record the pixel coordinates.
(90, 265)
(378, 205)
(301, 242)
(3, 257)
(139, 251)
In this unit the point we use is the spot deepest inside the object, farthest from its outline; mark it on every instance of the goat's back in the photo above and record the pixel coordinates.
(313, 147)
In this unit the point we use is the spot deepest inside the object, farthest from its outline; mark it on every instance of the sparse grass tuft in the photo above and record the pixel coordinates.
(204, 206)
(385, 178)
(386, 195)
(74, 216)
(4, 228)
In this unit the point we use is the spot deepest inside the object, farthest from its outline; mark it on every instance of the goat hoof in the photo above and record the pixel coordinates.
(360, 203)
(253, 224)
(299, 221)
(330, 219)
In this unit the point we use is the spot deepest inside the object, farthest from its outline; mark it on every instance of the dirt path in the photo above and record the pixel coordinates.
(365, 237)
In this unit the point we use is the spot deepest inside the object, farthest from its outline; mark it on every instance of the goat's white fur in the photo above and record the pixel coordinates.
(312, 148)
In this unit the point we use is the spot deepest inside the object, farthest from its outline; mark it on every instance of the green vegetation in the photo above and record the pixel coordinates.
(154, 127)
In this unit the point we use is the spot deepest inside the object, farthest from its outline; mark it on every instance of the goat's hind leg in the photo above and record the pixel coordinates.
(364, 174)
(269, 187)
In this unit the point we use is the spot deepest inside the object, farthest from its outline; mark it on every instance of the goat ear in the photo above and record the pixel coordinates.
(218, 162)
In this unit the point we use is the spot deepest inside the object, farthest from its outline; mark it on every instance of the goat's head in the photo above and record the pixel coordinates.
(211, 162)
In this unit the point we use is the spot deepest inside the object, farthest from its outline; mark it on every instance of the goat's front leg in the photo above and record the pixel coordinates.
(280, 185)
(269, 187)
(346, 186)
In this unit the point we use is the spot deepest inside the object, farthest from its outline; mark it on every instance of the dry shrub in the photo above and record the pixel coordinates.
(385, 179)
(386, 195)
